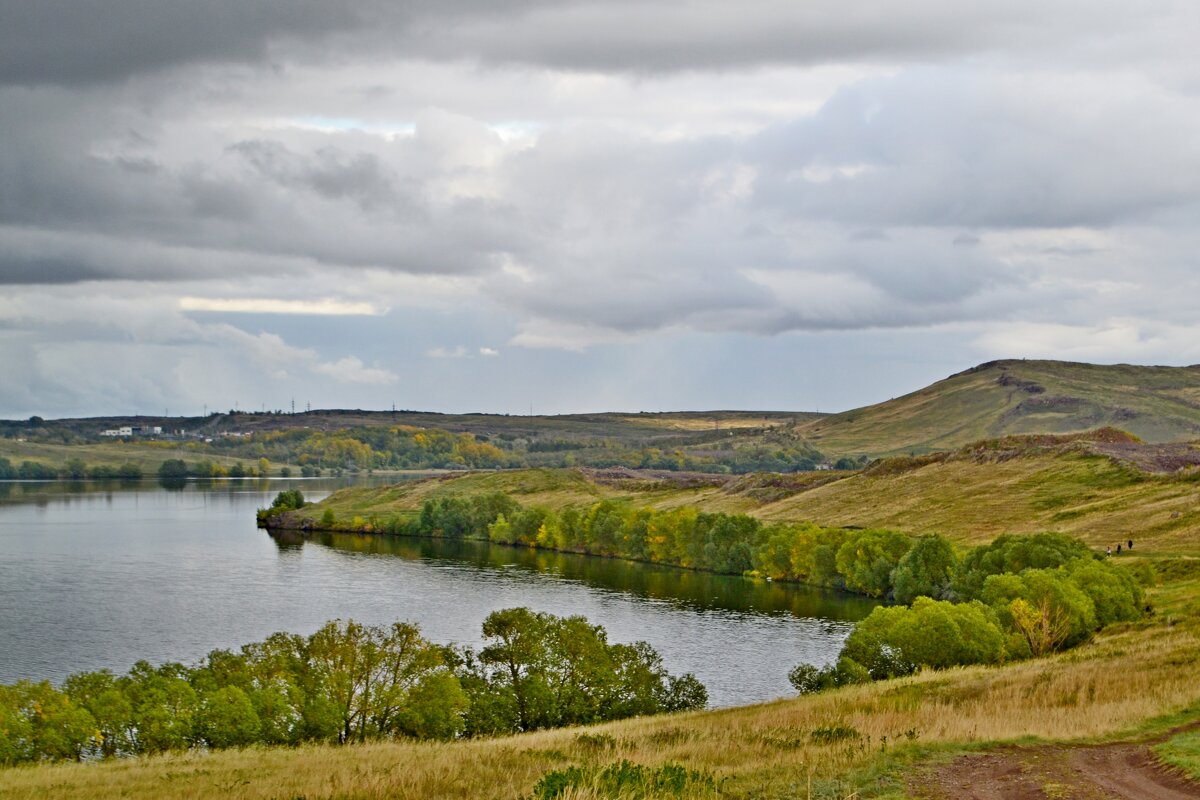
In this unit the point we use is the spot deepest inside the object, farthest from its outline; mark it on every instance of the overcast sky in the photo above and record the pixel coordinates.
(578, 206)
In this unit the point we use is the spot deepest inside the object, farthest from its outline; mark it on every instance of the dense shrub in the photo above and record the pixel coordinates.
(1012, 554)
(897, 640)
(33, 471)
(1035, 595)
(173, 469)
(287, 500)
(807, 678)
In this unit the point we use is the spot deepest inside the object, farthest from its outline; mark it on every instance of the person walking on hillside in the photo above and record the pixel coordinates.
(1118, 548)
(1109, 551)
(1130, 543)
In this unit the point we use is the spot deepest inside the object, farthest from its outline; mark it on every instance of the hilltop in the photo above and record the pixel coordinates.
(1157, 404)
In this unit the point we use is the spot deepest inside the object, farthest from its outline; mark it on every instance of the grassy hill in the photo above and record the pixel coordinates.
(1102, 487)
(1158, 404)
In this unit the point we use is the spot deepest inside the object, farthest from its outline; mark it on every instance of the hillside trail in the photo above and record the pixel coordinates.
(1117, 771)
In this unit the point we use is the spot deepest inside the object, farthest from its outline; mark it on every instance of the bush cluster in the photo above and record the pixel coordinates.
(74, 470)
(287, 500)
(346, 683)
(1020, 596)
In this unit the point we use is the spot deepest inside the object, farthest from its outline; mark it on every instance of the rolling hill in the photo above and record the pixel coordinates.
(1158, 404)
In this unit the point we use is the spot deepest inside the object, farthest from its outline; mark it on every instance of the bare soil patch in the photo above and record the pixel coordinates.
(1120, 771)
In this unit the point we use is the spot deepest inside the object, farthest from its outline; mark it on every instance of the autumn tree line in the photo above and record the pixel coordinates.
(1018, 597)
(345, 683)
(406, 447)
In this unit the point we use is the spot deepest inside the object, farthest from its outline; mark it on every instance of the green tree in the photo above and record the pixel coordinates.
(100, 694)
(227, 718)
(1069, 615)
(867, 558)
(60, 728)
(925, 571)
(173, 468)
(16, 727)
(1115, 591)
(539, 670)
(516, 653)
(164, 707)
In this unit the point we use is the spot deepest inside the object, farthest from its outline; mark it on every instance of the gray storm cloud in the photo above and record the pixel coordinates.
(67, 41)
(588, 173)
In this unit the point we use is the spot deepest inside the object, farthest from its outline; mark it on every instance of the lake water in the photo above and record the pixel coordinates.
(94, 577)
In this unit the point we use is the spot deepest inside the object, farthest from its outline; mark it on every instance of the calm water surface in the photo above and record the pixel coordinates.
(94, 577)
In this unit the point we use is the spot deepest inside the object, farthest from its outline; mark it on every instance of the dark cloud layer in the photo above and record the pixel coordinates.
(576, 174)
(84, 41)
(72, 42)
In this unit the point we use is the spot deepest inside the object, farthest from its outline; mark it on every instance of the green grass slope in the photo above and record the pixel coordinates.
(1158, 404)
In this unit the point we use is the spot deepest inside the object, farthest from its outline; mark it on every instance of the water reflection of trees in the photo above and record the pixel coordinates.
(697, 589)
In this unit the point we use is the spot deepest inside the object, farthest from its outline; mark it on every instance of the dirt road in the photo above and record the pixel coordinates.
(1124, 771)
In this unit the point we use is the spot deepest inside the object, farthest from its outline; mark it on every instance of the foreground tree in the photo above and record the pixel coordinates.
(538, 670)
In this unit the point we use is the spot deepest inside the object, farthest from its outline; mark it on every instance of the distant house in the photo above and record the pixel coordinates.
(130, 430)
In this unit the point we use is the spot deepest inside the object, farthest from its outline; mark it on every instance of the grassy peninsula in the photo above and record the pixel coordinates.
(1102, 487)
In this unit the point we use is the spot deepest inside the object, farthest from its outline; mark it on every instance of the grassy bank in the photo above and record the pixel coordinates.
(1137, 679)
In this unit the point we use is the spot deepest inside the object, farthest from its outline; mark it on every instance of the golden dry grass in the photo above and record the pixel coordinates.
(1113, 685)
(973, 503)
(1156, 403)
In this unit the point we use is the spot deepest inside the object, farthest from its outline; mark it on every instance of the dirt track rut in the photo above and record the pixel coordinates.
(1124, 771)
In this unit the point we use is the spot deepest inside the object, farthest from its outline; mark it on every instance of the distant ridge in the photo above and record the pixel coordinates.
(998, 398)
(1157, 404)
